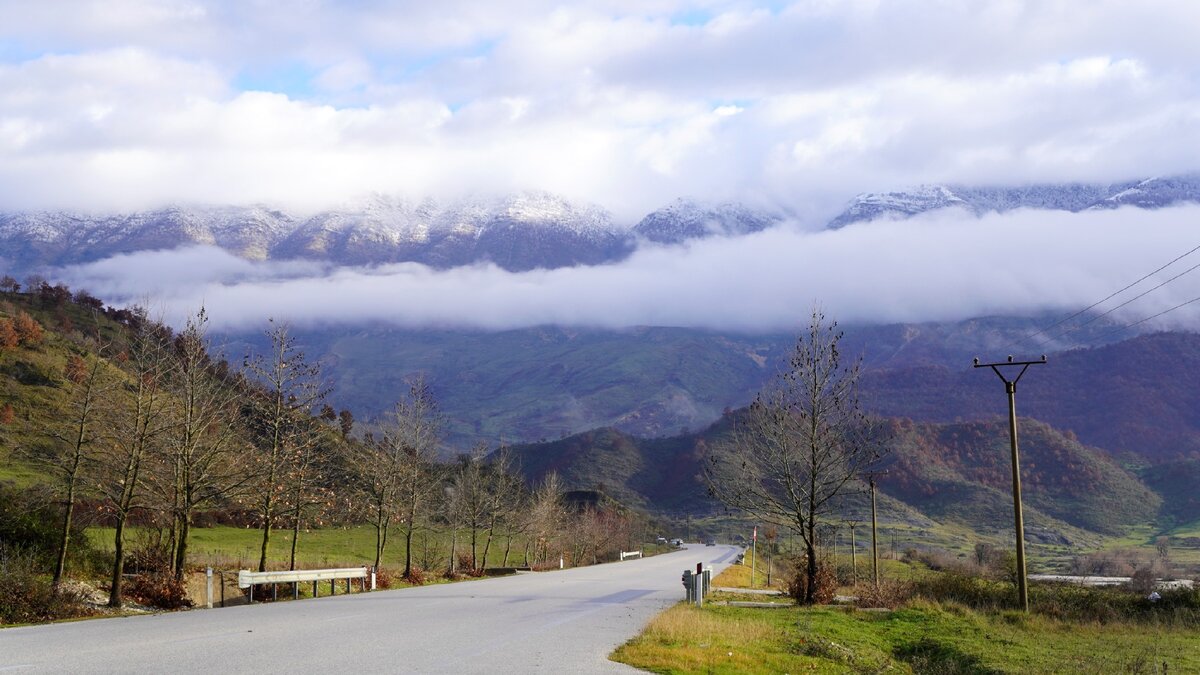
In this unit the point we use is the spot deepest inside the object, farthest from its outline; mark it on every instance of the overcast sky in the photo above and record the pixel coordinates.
(124, 104)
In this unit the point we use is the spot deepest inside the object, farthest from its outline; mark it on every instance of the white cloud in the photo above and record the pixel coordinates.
(131, 103)
(942, 266)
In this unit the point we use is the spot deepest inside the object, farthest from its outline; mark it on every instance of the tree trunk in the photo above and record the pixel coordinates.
(507, 548)
(61, 565)
(487, 546)
(184, 531)
(453, 550)
(811, 569)
(268, 522)
(295, 537)
(118, 568)
(408, 537)
(474, 547)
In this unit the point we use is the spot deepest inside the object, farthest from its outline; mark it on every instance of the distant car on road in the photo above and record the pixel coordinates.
(711, 543)
(677, 542)
(660, 540)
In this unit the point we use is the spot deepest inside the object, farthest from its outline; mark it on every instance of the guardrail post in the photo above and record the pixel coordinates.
(295, 590)
(687, 585)
(698, 591)
(316, 593)
(333, 586)
(707, 579)
(372, 578)
(208, 587)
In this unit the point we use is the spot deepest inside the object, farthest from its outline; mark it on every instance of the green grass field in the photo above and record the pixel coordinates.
(920, 638)
(238, 548)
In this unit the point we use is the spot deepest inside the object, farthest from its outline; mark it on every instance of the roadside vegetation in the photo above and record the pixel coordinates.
(931, 622)
(132, 455)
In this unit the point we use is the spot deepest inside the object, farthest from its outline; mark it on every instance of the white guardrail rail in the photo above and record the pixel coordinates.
(630, 554)
(248, 579)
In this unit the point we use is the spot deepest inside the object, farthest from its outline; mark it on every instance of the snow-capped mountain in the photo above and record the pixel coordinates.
(518, 232)
(686, 219)
(1150, 193)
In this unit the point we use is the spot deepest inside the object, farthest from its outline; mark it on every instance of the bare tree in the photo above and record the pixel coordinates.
(73, 438)
(413, 434)
(547, 515)
(503, 495)
(282, 417)
(204, 454)
(377, 468)
(800, 443)
(474, 496)
(138, 426)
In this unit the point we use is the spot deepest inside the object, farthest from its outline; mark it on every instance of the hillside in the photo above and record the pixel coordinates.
(32, 375)
(1127, 397)
(955, 474)
(544, 383)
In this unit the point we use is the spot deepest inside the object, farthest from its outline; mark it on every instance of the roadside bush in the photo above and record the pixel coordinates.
(157, 589)
(968, 590)
(416, 576)
(35, 528)
(891, 594)
(28, 597)
(1065, 602)
(796, 581)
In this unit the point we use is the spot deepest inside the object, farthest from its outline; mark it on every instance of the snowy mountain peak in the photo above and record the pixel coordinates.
(685, 219)
(1146, 193)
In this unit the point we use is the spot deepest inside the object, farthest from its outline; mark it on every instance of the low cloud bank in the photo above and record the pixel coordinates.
(941, 266)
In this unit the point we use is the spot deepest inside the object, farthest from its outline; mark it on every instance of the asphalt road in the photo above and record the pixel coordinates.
(562, 622)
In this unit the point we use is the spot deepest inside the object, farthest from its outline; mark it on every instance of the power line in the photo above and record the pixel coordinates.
(1059, 335)
(1136, 297)
(1154, 316)
(1110, 297)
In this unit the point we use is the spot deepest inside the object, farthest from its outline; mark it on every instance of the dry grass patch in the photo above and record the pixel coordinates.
(685, 639)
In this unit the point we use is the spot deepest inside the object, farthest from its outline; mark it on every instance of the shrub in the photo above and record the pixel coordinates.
(29, 331)
(796, 581)
(158, 589)
(26, 596)
(8, 335)
(891, 594)
(416, 576)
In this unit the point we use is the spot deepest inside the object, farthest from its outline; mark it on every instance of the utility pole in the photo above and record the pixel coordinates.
(1010, 386)
(874, 529)
(853, 551)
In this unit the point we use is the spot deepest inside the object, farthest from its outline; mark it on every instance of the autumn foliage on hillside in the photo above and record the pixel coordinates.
(940, 468)
(1128, 397)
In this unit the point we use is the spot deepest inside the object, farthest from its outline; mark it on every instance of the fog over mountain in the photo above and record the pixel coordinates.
(941, 265)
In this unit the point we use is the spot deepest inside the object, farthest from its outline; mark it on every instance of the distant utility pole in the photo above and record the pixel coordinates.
(853, 550)
(874, 527)
(1010, 386)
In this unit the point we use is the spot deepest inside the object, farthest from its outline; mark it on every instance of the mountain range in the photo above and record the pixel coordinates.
(532, 230)
(518, 232)
(1148, 193)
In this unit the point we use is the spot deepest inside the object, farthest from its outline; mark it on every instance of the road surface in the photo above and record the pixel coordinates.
(562, 622)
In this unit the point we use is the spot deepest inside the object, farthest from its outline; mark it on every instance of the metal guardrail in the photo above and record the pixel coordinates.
(248, 579)
(630, 554)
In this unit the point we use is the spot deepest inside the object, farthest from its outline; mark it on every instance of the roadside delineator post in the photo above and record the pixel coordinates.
(208, 594)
